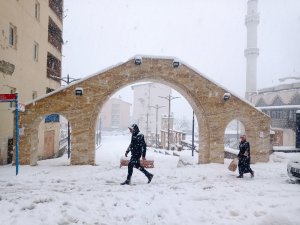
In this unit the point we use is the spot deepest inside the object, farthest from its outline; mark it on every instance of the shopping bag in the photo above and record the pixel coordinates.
(233, 165)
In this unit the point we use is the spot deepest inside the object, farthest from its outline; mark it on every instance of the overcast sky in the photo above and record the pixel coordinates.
(209, 35)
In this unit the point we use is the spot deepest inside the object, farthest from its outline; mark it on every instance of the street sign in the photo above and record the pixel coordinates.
(14, 98)
(8, 97)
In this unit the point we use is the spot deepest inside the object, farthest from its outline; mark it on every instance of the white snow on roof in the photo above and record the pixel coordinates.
(280, 107)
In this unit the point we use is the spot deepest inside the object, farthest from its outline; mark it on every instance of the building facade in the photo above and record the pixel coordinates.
(115, 115)
(30, 61)
(281, 102)
(146, 98)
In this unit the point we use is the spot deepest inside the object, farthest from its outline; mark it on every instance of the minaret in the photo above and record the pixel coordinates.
(252, 52)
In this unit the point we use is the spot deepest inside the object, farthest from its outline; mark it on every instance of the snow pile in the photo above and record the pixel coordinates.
(186, 160)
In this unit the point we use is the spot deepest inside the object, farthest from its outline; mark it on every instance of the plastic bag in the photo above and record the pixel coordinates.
(233, 165)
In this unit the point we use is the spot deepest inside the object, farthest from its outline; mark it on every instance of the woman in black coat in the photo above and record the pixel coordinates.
(244, 158)
(137, 148)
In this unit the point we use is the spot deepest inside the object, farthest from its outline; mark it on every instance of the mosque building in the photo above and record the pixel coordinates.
(281, 102)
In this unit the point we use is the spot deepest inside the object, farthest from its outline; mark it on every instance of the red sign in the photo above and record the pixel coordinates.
(8, 97)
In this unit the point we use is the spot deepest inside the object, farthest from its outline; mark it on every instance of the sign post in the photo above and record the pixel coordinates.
(14, 98)
(17, 134)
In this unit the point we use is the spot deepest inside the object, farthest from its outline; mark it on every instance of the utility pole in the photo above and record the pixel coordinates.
(169, 98)
(67, 80)
(193, 132)
(156, 107)
(147, 127)
(237, 132)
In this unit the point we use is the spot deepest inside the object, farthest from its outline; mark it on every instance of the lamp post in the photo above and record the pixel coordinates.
(156, 107)
(67, 80)
(237, 132)
(169, 98)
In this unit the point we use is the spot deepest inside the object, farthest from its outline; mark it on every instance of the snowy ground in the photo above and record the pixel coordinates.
(54, 193)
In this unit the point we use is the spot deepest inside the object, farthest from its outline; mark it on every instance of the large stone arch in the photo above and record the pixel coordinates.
(206, 98)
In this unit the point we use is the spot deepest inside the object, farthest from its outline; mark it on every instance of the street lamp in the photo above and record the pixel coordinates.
(67, 80)
(169, 98)
(156, 107)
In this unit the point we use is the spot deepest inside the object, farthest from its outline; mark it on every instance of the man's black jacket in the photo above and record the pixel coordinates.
(137, 145)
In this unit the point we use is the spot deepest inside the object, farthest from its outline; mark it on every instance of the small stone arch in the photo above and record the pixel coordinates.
(232, 138)
(33, 138)
(206, 98)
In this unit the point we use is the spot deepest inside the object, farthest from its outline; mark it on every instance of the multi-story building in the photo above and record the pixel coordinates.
(281, 102)
(147, 104)
(115, 115)
(30, 62)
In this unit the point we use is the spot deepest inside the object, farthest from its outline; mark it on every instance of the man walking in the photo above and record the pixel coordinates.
(137, 148)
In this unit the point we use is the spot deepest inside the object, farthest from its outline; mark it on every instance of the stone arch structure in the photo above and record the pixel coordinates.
(206, 98)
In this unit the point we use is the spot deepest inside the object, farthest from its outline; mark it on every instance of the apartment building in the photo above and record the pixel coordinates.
(30, 64)
(146, 97)
(115, 115)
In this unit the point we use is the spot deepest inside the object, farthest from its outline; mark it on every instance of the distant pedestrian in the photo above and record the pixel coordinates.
(137, 148)
(244, 157)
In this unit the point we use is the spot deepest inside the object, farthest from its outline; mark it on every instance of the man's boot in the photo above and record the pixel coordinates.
(126, 182)
(150, 176)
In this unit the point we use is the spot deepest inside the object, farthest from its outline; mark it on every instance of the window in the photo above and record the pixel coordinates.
(34, 95)
(37, 10)
(12, 35)
(53, 118)
(115, 121)
(54, 35)
(53, 67)
(115, 109)
(35, 51)
(57, 7)
(292, 115)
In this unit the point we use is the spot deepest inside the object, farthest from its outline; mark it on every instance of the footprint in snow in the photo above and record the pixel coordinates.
(234, 213)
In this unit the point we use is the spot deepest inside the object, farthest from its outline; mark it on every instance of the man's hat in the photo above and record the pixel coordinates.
(133, 127)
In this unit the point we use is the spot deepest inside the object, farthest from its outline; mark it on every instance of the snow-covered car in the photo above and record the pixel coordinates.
(293, 168)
